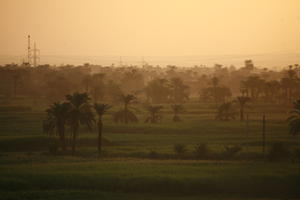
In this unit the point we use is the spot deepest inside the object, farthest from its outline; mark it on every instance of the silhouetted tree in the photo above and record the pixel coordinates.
(154, 116)
(113, 91)
(272, 90)
(80, 114)
(253, 86)
(242, 101)
(178, 90)
(225, 112)
(294, 119)
(177, 108)
(57, 116)
(100, 110)
(216, 94)
(126, 115)
(98, 86)
(87, 82)
(157, 91)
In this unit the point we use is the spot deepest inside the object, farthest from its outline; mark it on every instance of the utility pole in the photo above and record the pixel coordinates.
(33, 55)
(36, 55)
(28, 50)
(264, 135)
(247, 128)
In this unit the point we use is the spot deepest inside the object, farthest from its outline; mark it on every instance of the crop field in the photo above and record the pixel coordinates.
(139, 161)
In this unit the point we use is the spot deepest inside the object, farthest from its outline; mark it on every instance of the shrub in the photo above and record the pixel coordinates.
(231, 151)
(278, 151)
(180, 149)
(201, 151)
(176, 119)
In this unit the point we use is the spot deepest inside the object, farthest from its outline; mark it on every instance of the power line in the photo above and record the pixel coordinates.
(36, 55)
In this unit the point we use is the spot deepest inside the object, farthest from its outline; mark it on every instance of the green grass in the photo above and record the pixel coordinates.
(100, 195)
(159, 177)
(27, 171)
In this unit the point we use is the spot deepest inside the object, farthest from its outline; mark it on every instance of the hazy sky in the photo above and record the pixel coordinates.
(150, 27)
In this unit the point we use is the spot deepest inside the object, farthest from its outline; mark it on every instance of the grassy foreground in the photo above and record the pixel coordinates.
(126, 171)
(166, 178)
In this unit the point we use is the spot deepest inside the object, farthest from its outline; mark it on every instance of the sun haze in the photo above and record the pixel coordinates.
(151, 28)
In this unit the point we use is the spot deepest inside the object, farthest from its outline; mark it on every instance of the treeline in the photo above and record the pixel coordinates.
(153, 84)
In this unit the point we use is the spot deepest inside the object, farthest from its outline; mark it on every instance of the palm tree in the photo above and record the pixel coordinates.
(215, 82)
(157, 90)
(226, 111)
(294, 119)
(253, 86)
(177, 108)
(100, 110)
(80, 114)
(97, 86)
(125, 115)
(242, 100)
(178, 90)
(87, 81)
(154, 114)
(57, 116)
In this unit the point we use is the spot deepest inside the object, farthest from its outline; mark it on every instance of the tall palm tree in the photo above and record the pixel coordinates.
(57, 116)
(97, 86)
(242, 100)
(87, 81)
(154, 114)
(177, 108)
(178, 90)
(294, 119)
(157, 90)
(226, 111)
(100, 110)
(125, 115)
(80, 114)
(253, 86)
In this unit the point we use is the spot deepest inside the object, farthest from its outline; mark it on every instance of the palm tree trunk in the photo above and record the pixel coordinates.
(62, 138)
(100, 125)
(74, 139)
(242, 113)
(126, 113)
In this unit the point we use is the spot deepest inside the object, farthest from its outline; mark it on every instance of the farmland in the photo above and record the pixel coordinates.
(139, 158)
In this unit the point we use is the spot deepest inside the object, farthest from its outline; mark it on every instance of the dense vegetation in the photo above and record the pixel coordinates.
(78, 132)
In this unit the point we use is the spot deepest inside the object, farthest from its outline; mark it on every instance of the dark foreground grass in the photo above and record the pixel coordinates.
(155, 177)
(27, 171)
(100, 195)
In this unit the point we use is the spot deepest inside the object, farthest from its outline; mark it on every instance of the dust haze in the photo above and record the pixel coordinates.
(136, 99)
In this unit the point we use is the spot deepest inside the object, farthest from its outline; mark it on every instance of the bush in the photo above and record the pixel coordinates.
(180, 149)
(201, 151)
(279, 151)
(231, 151)
(176, 119)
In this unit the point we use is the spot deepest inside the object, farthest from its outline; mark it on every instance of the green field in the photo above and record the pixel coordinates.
(139, 161)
